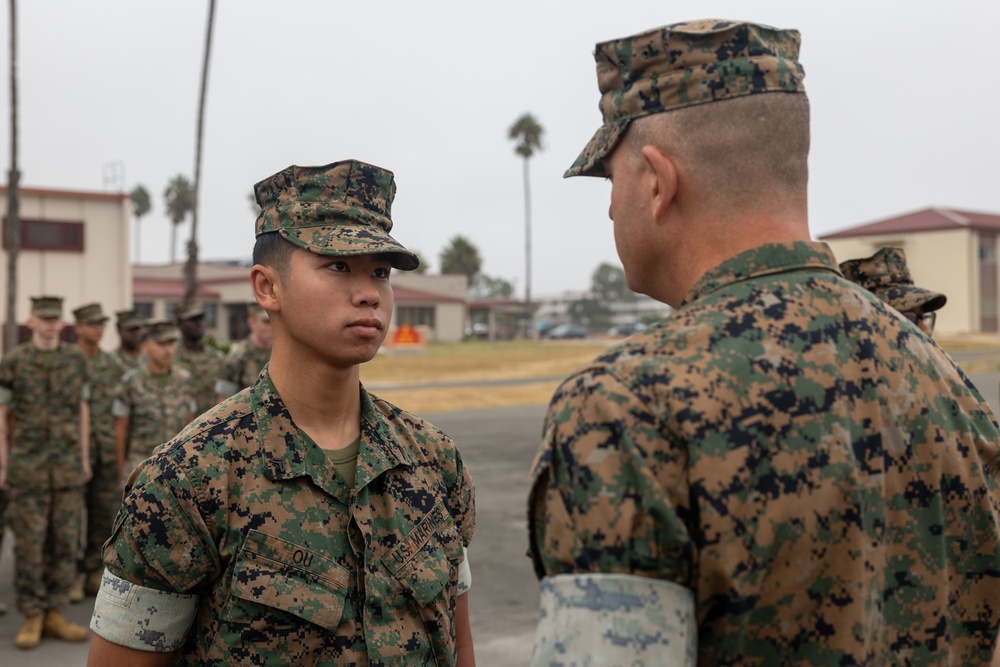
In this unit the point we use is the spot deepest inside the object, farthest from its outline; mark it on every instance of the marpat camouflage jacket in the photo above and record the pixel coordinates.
(285, 563)
(817, 471)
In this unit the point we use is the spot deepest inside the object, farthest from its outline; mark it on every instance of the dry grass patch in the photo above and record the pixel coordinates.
(476, 361)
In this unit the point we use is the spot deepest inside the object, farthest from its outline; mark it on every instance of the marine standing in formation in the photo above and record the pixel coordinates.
(130, 331)
(204, 363)
(307, 521)
(103, 491)
(247, 357)
(784, 471)
(44, 464)
(154, 402)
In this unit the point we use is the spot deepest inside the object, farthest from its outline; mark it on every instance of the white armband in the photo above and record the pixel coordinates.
(615, 619)
(225, 387)
(464, 573)
(141, 618)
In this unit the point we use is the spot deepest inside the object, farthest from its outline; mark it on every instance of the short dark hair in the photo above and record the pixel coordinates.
(272, 250)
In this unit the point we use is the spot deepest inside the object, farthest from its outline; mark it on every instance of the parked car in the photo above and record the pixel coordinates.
(568, 330)
(626, 329)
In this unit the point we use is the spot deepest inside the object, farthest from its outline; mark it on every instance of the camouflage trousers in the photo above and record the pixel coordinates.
(46, 525)
(103, 498)
(3, 515)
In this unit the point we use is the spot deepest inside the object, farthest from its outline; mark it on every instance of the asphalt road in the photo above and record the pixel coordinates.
(498, 445)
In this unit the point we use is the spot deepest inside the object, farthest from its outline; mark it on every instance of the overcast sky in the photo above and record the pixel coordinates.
(905, 110)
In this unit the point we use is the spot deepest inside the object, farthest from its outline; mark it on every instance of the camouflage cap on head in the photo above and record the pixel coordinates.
(886, 275)
(681, 65)
(90, 313)
(47, 307)
(187, 310)
(339, 209)
(130, 319)
(162, 331)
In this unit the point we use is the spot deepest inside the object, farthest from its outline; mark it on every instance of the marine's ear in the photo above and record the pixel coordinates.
(661, 175)
(266, 284)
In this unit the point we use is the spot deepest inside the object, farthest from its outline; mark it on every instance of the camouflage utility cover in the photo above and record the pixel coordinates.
(681, 65)
(289, 565)
(46, 306)
(157, 410)
(43, 392)
(340, 209)
(886, 275)
(129, 319)
(90, 313)
(818, 472)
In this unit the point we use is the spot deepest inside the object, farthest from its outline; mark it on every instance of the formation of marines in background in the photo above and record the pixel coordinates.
(74, 420)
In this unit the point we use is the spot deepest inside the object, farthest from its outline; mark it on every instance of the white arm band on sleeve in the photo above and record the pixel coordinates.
(141, 618)
(464, 573)
(615, 619)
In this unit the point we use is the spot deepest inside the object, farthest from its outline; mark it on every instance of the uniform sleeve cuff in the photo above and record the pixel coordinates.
(225, 388)
(120, 409)
(141, 618)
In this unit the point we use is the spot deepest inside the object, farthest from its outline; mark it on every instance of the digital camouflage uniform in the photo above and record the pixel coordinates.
(241, 367)
(128, 361)
(157, 408)
(277, 560)
(205, 366)
(818, 475)
(103, 494)
(43, 391)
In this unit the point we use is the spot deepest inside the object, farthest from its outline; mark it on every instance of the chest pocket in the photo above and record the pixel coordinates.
(270, 571)
(426, 561)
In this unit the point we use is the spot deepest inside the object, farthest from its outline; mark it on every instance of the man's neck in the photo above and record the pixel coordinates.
(89, 348)
(156, 369)
(44, 344)
(131, 353)
(193, 345)
(324, 402)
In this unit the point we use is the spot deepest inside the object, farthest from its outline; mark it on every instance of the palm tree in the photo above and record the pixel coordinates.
(13, 200)
(141, 205)
(179, 199)
(191, 267)
(461, 257)
(527, 132)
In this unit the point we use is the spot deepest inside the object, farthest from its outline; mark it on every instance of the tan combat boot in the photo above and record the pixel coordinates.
(30, 634)
(57, 626)
(93, 583)
(76, 591)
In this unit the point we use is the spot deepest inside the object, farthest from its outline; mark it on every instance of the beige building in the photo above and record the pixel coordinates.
(948, 251)
(74, 244)
(434, 305)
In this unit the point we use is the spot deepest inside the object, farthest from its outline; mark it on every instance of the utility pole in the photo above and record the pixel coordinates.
(13, 198)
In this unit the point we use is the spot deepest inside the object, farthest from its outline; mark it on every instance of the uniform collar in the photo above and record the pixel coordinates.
(763, 260)
(288, 455)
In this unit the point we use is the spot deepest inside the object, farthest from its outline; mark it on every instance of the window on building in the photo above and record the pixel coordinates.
(415, 316)
(171, 309)
(988, 249)
(211, 312)
(144, 308)
(55, 235)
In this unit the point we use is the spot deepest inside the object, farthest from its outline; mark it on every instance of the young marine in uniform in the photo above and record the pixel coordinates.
(154, 402)
(44, 462)
(784, 471)
(129, 324)
(103, 491)
(304, 521)
(204, 363)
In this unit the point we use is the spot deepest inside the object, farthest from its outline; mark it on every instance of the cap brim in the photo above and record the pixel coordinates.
(94, 320)
(591, 161)
(910, 298)
(348, 240)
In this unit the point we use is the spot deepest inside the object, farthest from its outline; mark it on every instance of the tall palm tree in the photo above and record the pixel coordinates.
(13, 199)
(179, 199)
(191, 267)
(527, 132)
(141, 205)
